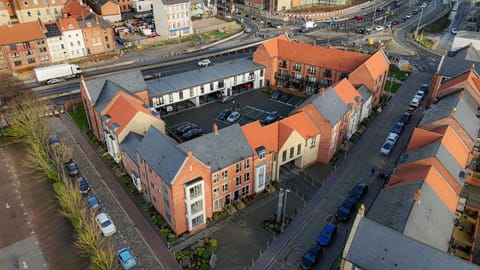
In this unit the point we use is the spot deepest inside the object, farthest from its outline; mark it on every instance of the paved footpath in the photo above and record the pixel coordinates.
(133, 228)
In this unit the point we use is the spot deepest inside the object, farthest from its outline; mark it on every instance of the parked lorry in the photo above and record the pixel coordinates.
(56, 73)
(309, 25)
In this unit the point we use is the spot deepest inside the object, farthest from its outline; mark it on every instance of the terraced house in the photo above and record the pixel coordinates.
(304, 69)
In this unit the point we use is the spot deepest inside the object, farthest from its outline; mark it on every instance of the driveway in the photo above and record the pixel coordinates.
(33, 233)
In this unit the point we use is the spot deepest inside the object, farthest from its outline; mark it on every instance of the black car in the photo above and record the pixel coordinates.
(404, 118)
(54, 140)
(185, 127)
(223, 114)
(358, 191)
(192, 133)
(83, 185)
(72, 169)
(345, 209)
(398, 128)
(275, 95)
(285, 97)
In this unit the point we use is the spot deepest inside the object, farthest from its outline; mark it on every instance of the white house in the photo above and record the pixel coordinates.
(172, 18)
(195, 87)
(73, 38)
(142, 5)
(55, 42)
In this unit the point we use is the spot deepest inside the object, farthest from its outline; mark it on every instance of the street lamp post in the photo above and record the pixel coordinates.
(418, 24)
(284, 208)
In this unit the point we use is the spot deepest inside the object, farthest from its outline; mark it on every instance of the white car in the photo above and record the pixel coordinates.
(419, 95)
(379, 28)
(454, 31)
(233, 117)
(105, 224)
(204, 63)
(54, 81)
(392, 137)
(386, 148)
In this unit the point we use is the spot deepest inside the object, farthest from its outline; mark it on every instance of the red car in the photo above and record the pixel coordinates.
(358, 17)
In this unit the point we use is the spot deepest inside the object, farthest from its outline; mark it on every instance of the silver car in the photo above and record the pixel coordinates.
(105, 224)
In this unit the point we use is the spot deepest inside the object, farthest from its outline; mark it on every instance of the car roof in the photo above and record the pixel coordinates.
(102, 216)
(125, 254)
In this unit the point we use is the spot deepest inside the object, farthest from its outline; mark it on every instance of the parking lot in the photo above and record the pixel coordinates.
(252, 105)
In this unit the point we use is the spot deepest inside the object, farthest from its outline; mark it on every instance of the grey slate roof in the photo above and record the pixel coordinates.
(427, 220)
(364, 92)
(173, 2)
(129, 81)
(376, 247)
(91, 21)
(330, 105)
(200, 76)
(130, 144)
(439, 151)
(466, 115)
(459, 61)
(441, 110)
(222, 150)
(161, 153)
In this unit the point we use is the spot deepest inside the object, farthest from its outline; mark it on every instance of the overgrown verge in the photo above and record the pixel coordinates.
(25, 116)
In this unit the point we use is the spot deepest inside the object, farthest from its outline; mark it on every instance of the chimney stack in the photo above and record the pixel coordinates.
(189, 153)
(215, 129)
(417, 195)
(322, 91)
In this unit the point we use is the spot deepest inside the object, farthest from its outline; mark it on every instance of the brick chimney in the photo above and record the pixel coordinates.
(322, 91)
(189, 153)
(417, 195)
(215, 129)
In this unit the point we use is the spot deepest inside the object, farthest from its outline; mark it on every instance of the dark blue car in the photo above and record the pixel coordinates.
(223, 115)
(275, 95)
(72, 169)
(345, 209)
(311, 257)
(327, 234)
(83, 185)
(404, 118)
(358, 191)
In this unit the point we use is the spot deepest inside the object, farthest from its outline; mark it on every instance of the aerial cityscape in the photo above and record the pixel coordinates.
(240, 134)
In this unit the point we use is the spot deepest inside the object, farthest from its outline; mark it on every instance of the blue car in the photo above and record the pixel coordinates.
(327, 234)
(358, 191)
(345, 209)
(275, 95)
(126, 258)
(271, 117)
(93, 202)
(311, 257)
(424, 88)
(72, 169)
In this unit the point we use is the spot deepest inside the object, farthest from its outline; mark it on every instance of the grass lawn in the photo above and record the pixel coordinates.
(79, 116)
(392, 86)
(398, 74)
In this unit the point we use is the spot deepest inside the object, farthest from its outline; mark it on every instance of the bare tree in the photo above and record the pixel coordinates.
(10, 87)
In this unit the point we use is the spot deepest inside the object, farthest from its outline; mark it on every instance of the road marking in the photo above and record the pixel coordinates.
(7, 205)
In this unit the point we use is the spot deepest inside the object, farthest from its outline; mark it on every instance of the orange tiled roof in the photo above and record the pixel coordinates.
(430, 175)
(301, 123)
(312, 112)
(258, 135)
(20, 32)
(68, 24)
(76, 10)
(422, 137)
(284, 132)
(347, 92)
(346, 61)
(377, 64)
(123, 108)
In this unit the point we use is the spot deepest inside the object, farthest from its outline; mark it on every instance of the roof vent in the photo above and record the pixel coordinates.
(106, 118)
(115, 126)
(462, 174)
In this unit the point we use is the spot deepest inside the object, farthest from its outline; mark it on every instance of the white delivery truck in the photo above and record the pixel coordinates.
(56, 73)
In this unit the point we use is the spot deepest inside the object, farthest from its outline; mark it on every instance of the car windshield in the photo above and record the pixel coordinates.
(106, 223)
(126, 256)
(308, 258)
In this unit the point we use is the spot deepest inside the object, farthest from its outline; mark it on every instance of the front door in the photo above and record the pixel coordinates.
(227, 199)
(235, 195)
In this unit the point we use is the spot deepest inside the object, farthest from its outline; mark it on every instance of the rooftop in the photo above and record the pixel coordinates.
(200, 76)
(20, 32)
(329, 104)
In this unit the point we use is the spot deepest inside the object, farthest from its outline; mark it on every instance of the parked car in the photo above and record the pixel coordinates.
(404, 118)
(398, 128)
(126, 258)
(93, 203)
(275, 95)
(224, 99)
(105, 224)
(83, 185)
(192, 133)
(358, 17)
(311, 257)
(392, 137)
(223, 114)
(424, 88)
(271, 117)
(386, 148)
(343, 212)
(185, 127)
(415, 102)
(55, 80)
(358, 191)
(408, 16)
(454, 31)
(388, 25)
(419, 95)
(411, 110)
(379, 28)
(72, 168)
(233, 117)
(54, 140)
(285, 97)
(204, 63)
(327, 234)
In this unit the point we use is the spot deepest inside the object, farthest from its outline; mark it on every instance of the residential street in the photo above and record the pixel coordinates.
(286, 252)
